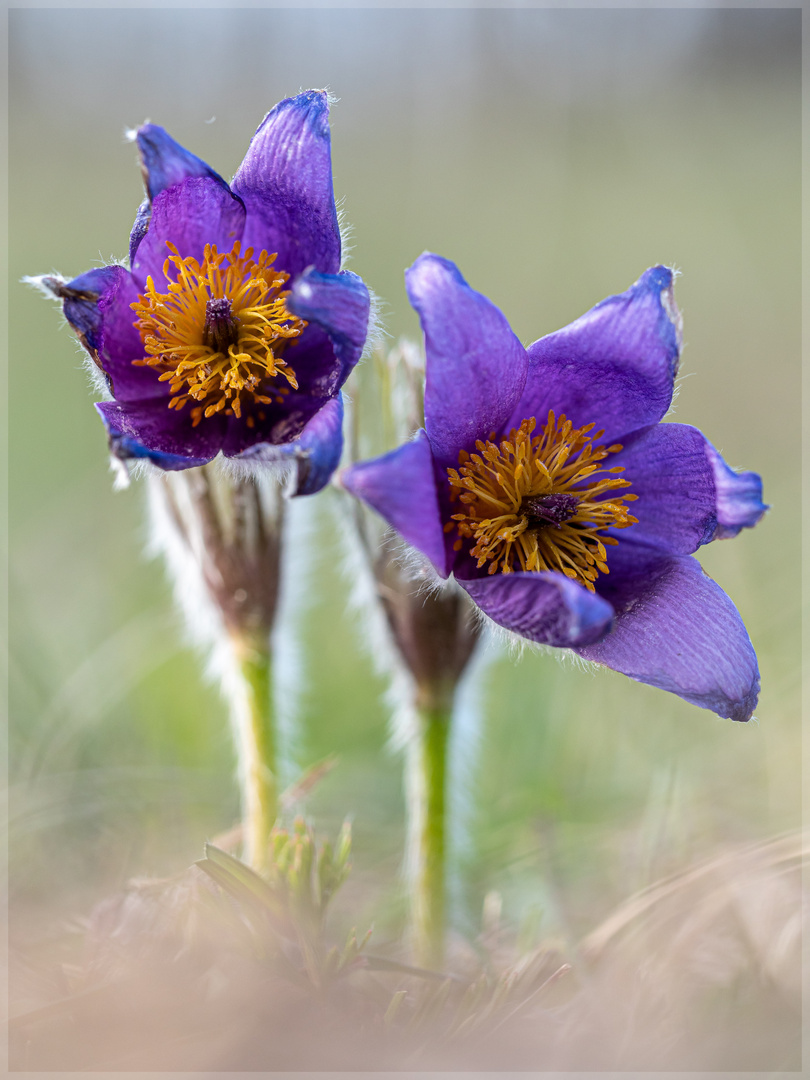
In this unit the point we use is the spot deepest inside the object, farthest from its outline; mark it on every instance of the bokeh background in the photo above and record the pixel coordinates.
(554, 155)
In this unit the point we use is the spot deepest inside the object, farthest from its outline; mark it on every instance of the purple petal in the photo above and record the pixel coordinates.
(125, 448)
(285, 181)
(165, 162)
(614, 366)
(318, 371)
(669, 472)
(191, 214)
(317, 450)
(401, 487)
(739, 497)
(139, 228)
(476, 367)
(151, 429)
(80, 300)
(97, 306)
(542, 606)
(674, 472)
(120, 344)
(276, 424)
(676, 629)
(339, 304)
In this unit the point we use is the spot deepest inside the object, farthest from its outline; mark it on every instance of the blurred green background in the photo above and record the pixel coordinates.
(554, 155)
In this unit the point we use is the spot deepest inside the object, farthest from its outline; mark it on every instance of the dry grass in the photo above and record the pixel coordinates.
(698, 971)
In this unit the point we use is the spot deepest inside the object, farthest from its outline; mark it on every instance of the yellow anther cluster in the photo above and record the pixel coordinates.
(172, 326)
(495, 484)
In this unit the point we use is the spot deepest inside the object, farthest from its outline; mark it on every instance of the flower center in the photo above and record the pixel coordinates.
(218, 334)
(540, 502)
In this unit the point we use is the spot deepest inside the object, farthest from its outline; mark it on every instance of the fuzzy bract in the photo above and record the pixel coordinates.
(545, 482)
(233, 328)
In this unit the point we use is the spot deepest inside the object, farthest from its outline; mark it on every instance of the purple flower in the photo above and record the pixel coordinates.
(546, 484)
(234, 328)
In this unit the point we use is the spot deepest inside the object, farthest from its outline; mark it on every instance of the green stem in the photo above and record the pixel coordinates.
(256, 749)
(428, 814)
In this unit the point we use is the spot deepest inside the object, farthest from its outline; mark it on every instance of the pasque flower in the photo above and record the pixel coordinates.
(544, 481)
(234, 328)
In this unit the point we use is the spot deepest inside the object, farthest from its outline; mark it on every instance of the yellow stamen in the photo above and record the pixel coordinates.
(541, 502)
(218, 333)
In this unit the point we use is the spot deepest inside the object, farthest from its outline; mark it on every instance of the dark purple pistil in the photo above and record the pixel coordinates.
(553, 510)
(221, 329)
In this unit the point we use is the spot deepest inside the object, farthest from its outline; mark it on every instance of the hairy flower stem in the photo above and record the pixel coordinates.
(254, 731)
(427, 821)
(222, 537)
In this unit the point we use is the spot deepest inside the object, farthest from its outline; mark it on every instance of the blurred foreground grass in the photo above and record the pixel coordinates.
(550, 193)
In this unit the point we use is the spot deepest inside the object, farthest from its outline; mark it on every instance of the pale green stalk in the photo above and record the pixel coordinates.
(254, 730)
(428, 820)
